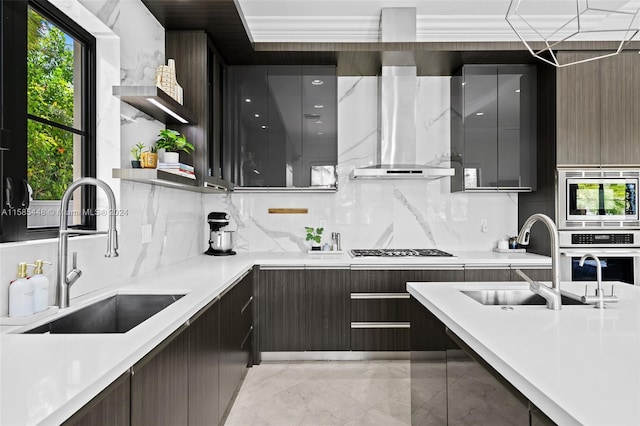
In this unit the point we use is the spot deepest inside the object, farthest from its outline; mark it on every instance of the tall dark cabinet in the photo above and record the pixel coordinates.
(281, 130)
(160, 384)
(493, 128)
(201, 73)
(204, 355)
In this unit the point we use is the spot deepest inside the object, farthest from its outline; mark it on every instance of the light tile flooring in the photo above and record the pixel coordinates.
(324, 393)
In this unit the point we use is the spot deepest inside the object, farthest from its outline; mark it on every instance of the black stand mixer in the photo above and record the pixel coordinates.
(220, 242)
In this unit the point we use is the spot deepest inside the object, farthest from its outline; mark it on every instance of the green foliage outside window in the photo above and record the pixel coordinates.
(50, 62)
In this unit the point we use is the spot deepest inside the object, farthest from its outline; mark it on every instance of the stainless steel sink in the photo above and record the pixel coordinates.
(512, 297)
(117, 314)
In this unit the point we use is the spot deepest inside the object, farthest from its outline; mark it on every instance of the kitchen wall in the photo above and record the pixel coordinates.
(130, 46)
(376, 213)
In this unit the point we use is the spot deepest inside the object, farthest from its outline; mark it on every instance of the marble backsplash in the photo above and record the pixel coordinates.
(377, 213)
(130, 45)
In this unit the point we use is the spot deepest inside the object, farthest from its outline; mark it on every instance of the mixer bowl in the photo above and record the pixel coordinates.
(222, 241)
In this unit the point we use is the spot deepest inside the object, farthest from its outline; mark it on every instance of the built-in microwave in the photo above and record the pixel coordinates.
(598, 198)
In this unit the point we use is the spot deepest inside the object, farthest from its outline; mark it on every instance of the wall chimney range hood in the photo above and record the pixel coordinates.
(397, 87)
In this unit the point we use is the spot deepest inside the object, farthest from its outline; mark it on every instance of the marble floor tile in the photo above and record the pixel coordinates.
(324, 393)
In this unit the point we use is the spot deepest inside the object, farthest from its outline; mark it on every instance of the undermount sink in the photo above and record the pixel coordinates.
(116, 314)
(512, 297)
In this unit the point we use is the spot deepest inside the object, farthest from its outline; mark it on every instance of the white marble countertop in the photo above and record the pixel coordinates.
(579, 365)
(46, 378)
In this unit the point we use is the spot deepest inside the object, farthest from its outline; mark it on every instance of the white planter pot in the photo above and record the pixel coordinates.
(171, 157)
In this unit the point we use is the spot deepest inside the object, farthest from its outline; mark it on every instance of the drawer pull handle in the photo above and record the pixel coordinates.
(246, 305)
(380, 325)
(246, 337)
(365, 296)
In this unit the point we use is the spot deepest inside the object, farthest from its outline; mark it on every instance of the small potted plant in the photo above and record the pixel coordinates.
(136, 151)
(172, 142)
(149, 159)
(315, 236)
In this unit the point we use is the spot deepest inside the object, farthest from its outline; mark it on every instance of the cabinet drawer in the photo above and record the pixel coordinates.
(380, 339)
(380, 307)
(381, 281)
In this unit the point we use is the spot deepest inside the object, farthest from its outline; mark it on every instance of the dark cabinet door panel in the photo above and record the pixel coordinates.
(578, 111)
(282, 310)
(381, 281)
(487, 274)
(327, 309)
(534, 274)
(109, 408)
(159, 385)
(380, 339)
(383, 309)
(204, 334)
(442, 275)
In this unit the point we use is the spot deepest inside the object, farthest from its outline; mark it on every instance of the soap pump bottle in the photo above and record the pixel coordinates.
(40, 286)
(21, 294)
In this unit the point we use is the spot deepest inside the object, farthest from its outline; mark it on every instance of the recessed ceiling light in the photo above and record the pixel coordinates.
(517, 90)
(464, 82)
(318, 106)
(247, 100)
(320, 133)
(479, 113)
(317, 82)
(263, 126)
(256, 115)
(318, 122)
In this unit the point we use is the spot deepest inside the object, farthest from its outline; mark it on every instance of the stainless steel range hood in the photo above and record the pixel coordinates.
(398, 83)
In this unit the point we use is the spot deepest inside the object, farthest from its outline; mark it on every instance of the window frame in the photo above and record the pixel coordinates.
(14, 228)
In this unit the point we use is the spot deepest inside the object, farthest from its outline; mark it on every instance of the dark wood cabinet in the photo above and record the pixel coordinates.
(327, 309)
(109, 408)
(200, 71)
(204, 350)
(598, 111)
(380, 314)
(620, 113)
(538, 274)
(160, 384)
(235, 341)
(282, 310)
(485, 274)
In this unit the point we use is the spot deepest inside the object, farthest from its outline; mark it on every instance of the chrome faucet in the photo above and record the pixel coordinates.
(551, 294)
(599, 297)
(67, 279)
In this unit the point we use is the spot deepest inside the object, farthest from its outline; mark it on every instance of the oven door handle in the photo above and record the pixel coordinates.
(601, 252)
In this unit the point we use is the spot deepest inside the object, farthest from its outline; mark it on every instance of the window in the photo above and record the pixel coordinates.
(56, 143)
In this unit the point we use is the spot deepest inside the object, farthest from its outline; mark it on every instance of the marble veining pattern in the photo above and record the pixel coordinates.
(378, 213)
(326, 393)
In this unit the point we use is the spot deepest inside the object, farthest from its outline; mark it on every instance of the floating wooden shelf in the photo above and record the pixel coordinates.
(162, 178)
(154, 102)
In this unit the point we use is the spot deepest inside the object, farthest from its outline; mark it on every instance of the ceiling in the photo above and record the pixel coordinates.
(346, 32)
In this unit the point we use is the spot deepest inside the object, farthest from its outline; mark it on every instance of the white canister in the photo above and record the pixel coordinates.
(503, 244)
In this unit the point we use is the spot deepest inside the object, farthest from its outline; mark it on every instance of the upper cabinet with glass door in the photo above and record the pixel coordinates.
(282, 127)
(493, 128)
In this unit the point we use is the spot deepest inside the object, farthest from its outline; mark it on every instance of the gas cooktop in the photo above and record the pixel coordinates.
(399, 253)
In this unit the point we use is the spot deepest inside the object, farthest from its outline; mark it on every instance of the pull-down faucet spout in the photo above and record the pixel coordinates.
(552, 295)
(66, 279)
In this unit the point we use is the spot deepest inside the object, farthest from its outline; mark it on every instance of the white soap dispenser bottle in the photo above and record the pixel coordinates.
(40, 286)
(21, 294)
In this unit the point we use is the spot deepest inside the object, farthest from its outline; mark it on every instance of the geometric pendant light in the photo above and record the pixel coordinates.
(545, 26)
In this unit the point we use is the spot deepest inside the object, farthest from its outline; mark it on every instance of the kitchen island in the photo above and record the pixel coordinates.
(578, 365)
(47, 378)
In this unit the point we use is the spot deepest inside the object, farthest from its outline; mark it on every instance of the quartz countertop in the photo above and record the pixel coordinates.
(47, 378)
(579, 365)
